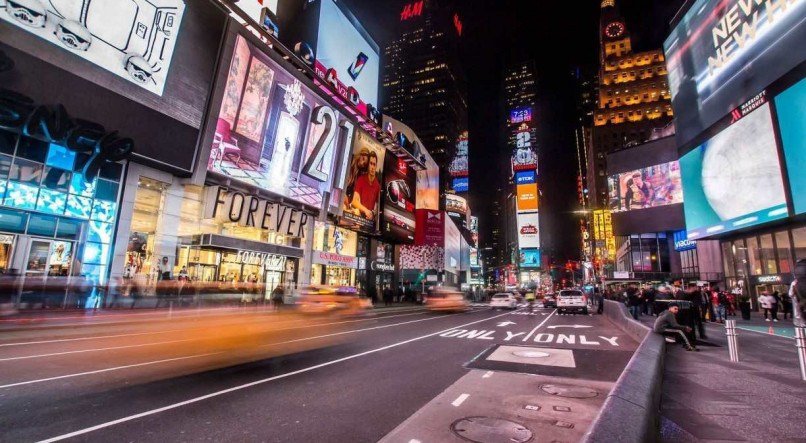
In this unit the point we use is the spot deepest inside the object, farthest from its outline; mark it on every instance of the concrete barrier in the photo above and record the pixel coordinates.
(631, 412)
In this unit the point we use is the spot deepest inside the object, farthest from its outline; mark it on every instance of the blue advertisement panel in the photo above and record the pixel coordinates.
(525, 177)
(733, 180)
(530, 258)
(682, 243)
(461, 184)
(791, 107)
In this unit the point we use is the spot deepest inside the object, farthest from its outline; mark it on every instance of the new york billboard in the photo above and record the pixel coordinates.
(529, 258)
(398, 203)
(528, 230)
(527, 197)
(791, 110)
(362, 191)
(459, 164)
(733, 180)
(723, 51)
(649, 187)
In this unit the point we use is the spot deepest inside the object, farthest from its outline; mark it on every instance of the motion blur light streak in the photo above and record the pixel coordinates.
(93, 350)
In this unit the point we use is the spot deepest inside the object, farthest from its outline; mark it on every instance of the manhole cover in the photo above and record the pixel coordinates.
(531, 354)
(490, 430)
(570, 391)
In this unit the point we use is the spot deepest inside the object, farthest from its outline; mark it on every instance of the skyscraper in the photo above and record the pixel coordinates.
(424, 85)
(634, 101)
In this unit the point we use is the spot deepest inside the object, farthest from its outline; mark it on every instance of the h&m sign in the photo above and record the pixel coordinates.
(227, 205)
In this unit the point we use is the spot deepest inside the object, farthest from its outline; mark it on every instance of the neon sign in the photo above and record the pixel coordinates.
(412, 10)
(457, 24)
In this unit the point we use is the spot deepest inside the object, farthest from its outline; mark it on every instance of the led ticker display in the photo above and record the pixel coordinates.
(791, 107)
(650, 187)
(733, 180)
(520, 115)
(723, 51)
(527, 197)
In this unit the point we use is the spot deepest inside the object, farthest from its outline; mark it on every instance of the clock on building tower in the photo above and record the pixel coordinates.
(614, 29)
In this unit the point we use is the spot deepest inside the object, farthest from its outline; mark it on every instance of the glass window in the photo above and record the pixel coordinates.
(51, 202)
(26, 171)
(56, 179)
(784, 254)
(95, 253)
(78, 207)
(106, 190)
(728, 259)
(60, 157)
(799, 239)
(13, 221)
(111, 171)
(740, 258)
(32, 149)
(5, 165)
(8, 140)
(100, 232)
(754, 256)
(80, 187)
(768, 265)
(21, 196)
(104, 211)
(42, 225)
(68, 229)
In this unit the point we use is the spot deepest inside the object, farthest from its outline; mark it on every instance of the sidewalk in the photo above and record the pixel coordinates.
(708, 398)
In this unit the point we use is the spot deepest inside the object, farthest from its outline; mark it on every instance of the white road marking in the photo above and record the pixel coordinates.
(414, 441)
(538, 326)
(569, 326)
(254, 383)
(460, 399)
(99, 371)
(93, 350)
(506, 323)
(487, 374)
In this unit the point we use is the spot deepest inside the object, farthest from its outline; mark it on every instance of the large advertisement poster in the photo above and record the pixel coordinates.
(362, 192)
(650, 187)
(528, 230)
(459, 164)
(354, 56)
(791, 109)
(733, 180)
(398, 203)
(529, 258)
(132, 39)
(455, 205)
(272, 132)
(430, 229)
(723, 51)
(453, 246)
(527, 197)
(427, 179)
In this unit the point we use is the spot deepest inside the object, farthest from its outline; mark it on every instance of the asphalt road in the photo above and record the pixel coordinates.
(266, 377)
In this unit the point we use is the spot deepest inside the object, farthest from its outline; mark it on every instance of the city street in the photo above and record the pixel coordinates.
(401, 375)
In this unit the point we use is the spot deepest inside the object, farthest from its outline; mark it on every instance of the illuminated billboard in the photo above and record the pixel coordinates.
(456, 204)
(272, 132)
(650, 187)
(459, 165)
(453, 246)
(428, 178)
(525, 177)
(527, 197)
(460, 184)
(524, 156)
(733, 180)
(398, 203)
(723, 51)
(520, 115)
(134, 39)
(791, 110)
(362, 191)
(529, 258)
(343, 45)
(528, 230)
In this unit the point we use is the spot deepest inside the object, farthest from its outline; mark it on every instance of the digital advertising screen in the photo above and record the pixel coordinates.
(524, 156)
(456, 204)
(733, 180)
(428, 178)
(520, 115)
(658, 185)
(459, 164)
(528, 230)
(525, 177)
(723, 51)
(398, 203)
(529, 258)
(267, 134)
(460, 184)
(453, 246)
(345, 47)
(791, 109)
(527, 197)
(362, 191)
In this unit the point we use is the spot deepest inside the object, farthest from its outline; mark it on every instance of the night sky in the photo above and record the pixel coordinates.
(560, 37)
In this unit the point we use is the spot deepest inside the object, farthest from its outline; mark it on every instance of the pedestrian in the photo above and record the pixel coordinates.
(731, 303)
(277, 295)
(797, 293)
(786, 306)
(388, 296)
(721, 306)
(597, 293)
(634, 301)
(666, 324)
(651, 296)
(776, 305)
(694, 295)
(767, 301)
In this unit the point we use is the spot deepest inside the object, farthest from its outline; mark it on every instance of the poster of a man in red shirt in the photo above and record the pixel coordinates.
(367, 190)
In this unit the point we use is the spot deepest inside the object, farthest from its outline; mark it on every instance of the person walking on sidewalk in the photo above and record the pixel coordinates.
(694, 295)
(666, 324)
(634, 301)
(786, 306)
(767, 303)
(721, 306)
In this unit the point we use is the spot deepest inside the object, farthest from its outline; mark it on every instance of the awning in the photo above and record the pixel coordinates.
(238, 244)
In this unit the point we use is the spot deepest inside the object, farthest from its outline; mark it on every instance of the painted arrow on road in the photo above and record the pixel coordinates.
(570, 326)
(506, 323)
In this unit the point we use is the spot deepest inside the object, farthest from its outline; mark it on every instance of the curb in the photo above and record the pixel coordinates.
(630, 412)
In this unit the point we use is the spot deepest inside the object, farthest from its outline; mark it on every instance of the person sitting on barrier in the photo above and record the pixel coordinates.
(666, 324)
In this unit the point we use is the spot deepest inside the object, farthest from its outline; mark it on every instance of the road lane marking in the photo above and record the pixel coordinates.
(100, 371)
(94, 350)
(569, 326)
(487, 374)
(254, 383)
(192, 329)
(460, 399)
(538, 326)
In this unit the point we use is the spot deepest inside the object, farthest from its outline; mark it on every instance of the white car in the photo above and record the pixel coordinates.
(570, 300)
(504, 300)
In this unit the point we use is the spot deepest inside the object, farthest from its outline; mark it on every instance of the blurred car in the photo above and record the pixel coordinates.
(446, 300)
(504, 300)
(550, 301)
(572, 300)
(331, 299)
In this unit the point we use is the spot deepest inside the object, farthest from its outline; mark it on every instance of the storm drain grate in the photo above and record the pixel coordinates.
(569, 391)
(490, 430)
